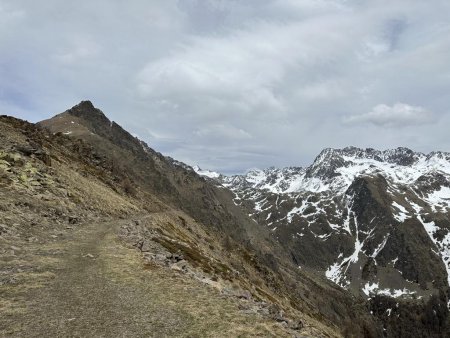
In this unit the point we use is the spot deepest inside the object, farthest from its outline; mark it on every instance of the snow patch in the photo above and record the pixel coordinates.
(439, 198)
(371, 289)
(402, 214)
(380, 247)
(333, 273)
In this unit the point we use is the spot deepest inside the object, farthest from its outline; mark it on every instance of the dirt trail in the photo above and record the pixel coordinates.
(86, 283)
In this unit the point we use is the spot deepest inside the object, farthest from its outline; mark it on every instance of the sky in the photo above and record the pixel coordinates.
(231, 85)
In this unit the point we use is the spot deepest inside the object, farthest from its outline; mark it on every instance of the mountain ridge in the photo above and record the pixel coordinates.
(330, 201)
(330, 163)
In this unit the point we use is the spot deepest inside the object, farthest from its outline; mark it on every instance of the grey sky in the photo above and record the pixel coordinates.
(230, 84)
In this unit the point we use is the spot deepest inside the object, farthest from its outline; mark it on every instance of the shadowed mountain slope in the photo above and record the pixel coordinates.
(375, 222)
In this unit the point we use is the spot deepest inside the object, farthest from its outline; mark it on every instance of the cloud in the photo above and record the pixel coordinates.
(232, 84)
(397, 115)
(222, 132)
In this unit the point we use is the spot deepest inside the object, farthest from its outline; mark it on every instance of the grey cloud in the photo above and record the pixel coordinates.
(231, 84)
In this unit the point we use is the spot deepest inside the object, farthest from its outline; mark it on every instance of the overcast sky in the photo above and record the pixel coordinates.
(237, 84)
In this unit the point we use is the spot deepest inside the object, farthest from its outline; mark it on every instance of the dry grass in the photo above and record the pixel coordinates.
(115, 294)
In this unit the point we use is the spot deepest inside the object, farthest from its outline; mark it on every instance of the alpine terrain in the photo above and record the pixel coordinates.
(102, 236)
(374, 222)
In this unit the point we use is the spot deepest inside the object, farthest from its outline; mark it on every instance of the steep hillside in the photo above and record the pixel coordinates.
(374, 222)
(59, 187)
(86, 251)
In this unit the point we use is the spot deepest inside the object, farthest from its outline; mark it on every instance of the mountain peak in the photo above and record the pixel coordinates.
(86, 104)
(91, 117)
(86, 110)
(360, 208)
(401, 156)
(205, 173)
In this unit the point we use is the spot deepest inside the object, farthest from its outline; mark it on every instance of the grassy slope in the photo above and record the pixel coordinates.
(51, 217)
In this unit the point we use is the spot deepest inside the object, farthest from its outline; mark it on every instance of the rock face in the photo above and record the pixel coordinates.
(374, 222)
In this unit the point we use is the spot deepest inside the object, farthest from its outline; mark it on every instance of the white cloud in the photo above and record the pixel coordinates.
(397, 115)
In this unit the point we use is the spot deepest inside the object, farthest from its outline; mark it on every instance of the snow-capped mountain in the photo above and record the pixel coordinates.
(206, 173)
(372, 221)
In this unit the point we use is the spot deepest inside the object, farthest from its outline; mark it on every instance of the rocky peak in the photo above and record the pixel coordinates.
(401, 156)
(439, 155)
(86, 109)
(329, 163)
(85, 104)
(326, 163)
(205, 173)
(93, 117)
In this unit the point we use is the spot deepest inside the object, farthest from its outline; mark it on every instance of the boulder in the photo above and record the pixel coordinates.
(145, 247)
(179, 266)
(295, 324)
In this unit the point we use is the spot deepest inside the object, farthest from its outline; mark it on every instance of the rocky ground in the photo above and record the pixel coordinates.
(81, 256)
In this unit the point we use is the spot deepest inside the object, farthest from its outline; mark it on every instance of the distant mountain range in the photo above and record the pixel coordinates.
(374, 222)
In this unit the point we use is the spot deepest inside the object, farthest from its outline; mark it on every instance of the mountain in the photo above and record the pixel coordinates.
(100, 235)
(206, 173)
(374, 222)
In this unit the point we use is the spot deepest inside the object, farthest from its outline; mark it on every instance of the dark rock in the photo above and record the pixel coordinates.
(26, 149)
(175, 257)
(44, 157)
(279, 318)
(295, 324)
(3, 229)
